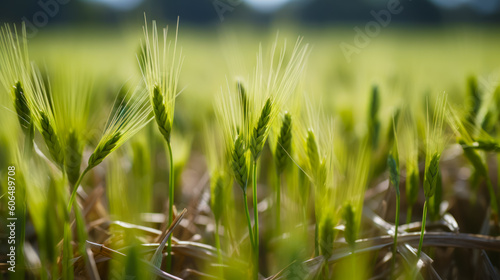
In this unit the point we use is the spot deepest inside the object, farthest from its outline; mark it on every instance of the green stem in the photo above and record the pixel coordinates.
(394, 248)
(278, 204)
(409, 214)
(424, 216)
(217, 245)
(247, 212)
(493, 197)
(75, 188)
(170, 205)
(256, 220)
(326, 270)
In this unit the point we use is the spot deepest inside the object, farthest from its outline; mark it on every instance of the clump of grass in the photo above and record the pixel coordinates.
(220, 184)
(407, 140)
(433, 148)
(231, 118)
(313, 152)
(161, 70)
(471, 150)
(248, 129)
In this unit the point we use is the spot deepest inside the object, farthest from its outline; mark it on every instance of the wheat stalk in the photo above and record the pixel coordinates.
(434, 147)
(161, 73)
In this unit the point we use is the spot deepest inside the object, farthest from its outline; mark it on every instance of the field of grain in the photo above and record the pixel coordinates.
(248, 153)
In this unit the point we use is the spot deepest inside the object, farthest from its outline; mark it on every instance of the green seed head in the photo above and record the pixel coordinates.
(312, 150)
(73, 157)
(350, 233)
(393, 171)
(327, 236)
(161, 114)
(260, 131)
(103, 150)
(22, 109)
(431, 176)
(284, 143)
(217, 196)
(51, 140)
(474, 99)
(239, 162)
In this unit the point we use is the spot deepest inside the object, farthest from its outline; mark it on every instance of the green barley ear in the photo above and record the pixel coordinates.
(350, 233)
(261, 130)
(73, 157)
(284, 143)
(239, 163)
(161, 114)
(393, 164)
(312, 151)
(22, 109)
(327, 236)
(161, 63)
(51, 139)
(431, 175)
(217, 196)
(474, 99)
(373, 120)
(435, 141)
(130, 116)
(102, 150)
